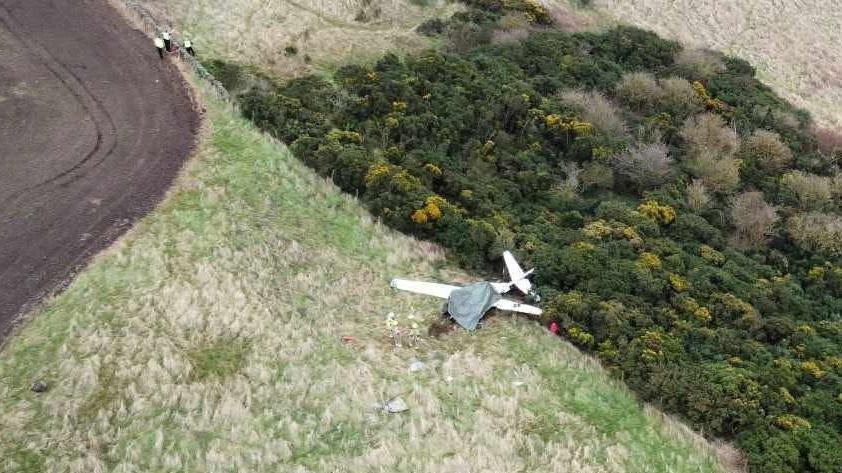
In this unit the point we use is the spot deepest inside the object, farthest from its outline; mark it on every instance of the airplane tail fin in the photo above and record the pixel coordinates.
(517, 276)
(512, 267)
(523, 285)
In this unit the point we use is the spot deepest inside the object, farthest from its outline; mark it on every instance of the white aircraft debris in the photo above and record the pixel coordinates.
(468, 304)
(518, 277)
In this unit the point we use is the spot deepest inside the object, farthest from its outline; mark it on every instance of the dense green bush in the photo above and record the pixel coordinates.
(516, 145)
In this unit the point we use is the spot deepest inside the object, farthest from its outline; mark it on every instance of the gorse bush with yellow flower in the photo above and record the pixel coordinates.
(668, 211)
(661, 213)
(431, 211)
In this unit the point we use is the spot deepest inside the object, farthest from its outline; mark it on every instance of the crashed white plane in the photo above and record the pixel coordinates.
(468, 304)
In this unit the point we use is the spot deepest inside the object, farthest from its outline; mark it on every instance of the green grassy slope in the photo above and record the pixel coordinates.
(210, 340)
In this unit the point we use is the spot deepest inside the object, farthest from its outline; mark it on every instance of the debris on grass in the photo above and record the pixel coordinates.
(395, 405)
(410, 335)
(394, 329)
(39, 386)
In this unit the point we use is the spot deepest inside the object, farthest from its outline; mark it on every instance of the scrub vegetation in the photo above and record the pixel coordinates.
(241, 327)
(794, 45)
(684, 219)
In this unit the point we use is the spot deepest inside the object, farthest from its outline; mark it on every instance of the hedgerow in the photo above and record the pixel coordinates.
(666, 260)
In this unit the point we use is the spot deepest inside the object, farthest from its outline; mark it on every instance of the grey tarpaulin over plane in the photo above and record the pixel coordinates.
(468, 304)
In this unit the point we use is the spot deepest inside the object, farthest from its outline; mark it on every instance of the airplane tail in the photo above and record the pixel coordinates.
(517, 276)
(524, 285)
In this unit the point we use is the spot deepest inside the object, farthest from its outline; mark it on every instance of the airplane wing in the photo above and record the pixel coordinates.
(515, 271)
(421, 287)
(506, 304)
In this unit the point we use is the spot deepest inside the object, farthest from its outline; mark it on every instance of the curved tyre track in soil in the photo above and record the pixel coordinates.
(93, 129)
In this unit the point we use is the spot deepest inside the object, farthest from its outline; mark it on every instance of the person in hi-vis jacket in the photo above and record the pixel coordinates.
(188, 45)
(159, 45)
(167, 40)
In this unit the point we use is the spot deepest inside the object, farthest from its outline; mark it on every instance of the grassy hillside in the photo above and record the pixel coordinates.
(211, 340)
(794, 45)
(684, 219)
(290, 37)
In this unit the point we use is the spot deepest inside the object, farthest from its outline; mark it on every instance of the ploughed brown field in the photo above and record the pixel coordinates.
(93, 128)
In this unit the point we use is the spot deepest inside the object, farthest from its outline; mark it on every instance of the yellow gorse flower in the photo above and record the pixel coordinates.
(708, 101)
(376, 174)
(431, 211)
(432, 169)
(649, 261)
(660, 213)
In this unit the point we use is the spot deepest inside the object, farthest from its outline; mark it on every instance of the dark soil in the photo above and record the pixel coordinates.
(94, 127)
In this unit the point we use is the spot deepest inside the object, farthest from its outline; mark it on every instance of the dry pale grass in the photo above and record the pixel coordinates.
(793, 44)
(327, 31)
(211, 340)
(568, 18)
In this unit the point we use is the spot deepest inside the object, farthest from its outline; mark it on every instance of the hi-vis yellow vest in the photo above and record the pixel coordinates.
(159, 43)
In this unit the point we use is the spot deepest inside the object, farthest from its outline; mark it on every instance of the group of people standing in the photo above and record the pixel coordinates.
(164, 42)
